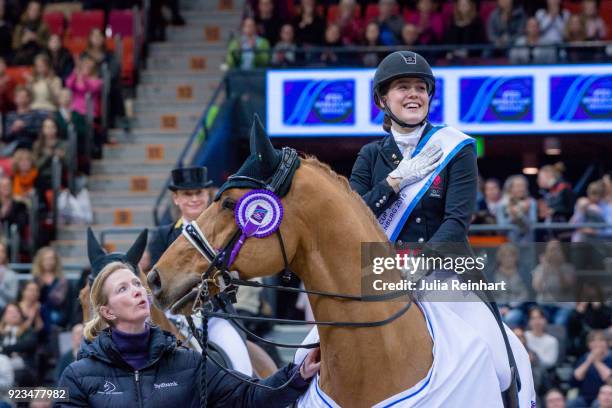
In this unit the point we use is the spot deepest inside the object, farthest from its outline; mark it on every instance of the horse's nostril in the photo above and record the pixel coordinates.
(154, 282)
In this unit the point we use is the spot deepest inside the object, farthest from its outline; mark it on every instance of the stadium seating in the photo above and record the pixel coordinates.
(55, 21)
(82, 22)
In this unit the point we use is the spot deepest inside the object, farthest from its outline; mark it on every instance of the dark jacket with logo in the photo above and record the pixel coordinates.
(163, 237)
(171, 379)
(445, 211)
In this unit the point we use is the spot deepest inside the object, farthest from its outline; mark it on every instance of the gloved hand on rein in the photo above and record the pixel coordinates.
(411, 170)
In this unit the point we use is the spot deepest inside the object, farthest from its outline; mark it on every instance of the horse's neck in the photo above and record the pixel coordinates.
(354, 360)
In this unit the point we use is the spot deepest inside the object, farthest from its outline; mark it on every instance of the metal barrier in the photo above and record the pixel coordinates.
(451, 54)
(191, 147)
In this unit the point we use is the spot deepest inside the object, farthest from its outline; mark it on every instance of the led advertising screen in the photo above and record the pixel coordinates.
(476, 100)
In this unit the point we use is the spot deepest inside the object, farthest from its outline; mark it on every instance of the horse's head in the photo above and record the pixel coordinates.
(245, 208)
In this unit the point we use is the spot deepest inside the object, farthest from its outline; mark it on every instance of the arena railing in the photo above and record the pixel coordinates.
(198, 137)
(454, 54)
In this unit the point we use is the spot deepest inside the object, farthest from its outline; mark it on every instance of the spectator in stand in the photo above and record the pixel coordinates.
(329, 57)
(517, 208)
(558, 195)
(48, 273)
(511, 301)
(60, 57)
(68, 357)
(428, 21)
(575, 34)
(389, 24)
(592, 370)
(249, 50)
(589, 209)
(309, 25)
(7, 379)
(32, 22)
(553, 282)
(554, 398)
(284, 52)
(45, 148)
(18, 342)
(7, 89)
(552, 22)
(506, 23)
(8, 279)
(410, 35)
(29, 304)
(66, 117)
(349, 21)
(541, 379)
(596, 29)
(604, 396)
(487, 206)
(466, 28)
(24, 123)
(29, 49)
(371, 39)
(531, 48)
(545, 346)
(591, 313)
(12, 212)
(6, 34)
(607, 204)
(44, 85)
(84, 81)
(24, 174)
(97, 51)
(268, 22)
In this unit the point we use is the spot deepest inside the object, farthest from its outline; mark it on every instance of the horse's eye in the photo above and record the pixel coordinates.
(228, 203)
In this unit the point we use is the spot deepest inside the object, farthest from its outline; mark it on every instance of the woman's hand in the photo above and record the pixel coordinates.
(412, 170)
(311, 364)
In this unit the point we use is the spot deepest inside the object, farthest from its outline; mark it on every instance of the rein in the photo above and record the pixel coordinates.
(219, 275)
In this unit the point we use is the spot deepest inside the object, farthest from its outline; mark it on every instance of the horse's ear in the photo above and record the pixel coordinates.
(94, 250)
(260, 144)
(135, 252)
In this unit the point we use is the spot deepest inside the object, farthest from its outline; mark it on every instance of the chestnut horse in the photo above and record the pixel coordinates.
(262, 364)
(323, 226)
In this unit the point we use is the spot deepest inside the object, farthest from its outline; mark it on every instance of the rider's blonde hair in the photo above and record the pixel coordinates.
(98, 299)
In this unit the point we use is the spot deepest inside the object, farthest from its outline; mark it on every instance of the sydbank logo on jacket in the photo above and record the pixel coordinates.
(451, 141)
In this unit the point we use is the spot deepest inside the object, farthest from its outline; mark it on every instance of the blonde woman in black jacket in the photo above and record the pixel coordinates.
(126, 362)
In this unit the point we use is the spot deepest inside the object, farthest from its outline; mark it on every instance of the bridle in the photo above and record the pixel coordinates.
(218, 274)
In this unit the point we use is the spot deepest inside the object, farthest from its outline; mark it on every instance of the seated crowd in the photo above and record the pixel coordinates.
(275, 33)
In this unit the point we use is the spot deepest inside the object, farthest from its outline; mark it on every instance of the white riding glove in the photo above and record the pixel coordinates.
(411, 170)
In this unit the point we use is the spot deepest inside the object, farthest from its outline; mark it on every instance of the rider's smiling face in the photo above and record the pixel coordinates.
(408, 99)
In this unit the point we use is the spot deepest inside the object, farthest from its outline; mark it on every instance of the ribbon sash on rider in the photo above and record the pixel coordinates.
(451, 141)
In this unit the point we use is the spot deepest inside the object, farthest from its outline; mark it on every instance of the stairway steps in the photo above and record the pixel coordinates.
(153, 182)
(144, 152)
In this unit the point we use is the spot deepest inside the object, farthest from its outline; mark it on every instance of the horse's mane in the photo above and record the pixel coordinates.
(344, 183)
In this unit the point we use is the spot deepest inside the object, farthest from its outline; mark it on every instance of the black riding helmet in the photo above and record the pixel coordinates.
(400, 64)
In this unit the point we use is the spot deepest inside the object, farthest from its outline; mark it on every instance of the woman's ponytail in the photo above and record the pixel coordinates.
(94, 327)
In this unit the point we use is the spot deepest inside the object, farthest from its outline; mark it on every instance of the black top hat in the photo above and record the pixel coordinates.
(189, 178)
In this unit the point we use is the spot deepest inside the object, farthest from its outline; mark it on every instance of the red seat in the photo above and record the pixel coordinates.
(82, 22)
(486, 8)
(606, 13)
(55, 22)
(333, 12)
(121, 22)
(17, 73)
(372, 11)
(448, 9)
(76, 45)
(574, 8)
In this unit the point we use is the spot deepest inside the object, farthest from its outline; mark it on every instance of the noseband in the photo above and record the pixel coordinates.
(218, 274)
